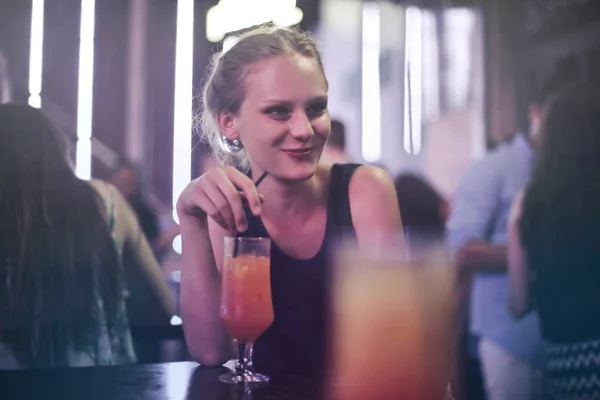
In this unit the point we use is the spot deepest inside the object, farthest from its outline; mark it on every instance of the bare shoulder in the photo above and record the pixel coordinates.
(373, 203)
(108, 192)
(371, 182)
(104, 190)
(364, 177)
(99, 186)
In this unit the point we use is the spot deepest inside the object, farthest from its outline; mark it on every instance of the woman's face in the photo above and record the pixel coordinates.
(283, 122)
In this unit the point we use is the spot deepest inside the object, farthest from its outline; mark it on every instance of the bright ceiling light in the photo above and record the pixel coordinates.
(235, 15)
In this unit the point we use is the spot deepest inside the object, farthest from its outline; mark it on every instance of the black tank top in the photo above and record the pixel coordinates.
(295, 343)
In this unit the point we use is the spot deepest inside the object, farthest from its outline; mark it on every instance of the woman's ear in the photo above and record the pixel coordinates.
(227, 125)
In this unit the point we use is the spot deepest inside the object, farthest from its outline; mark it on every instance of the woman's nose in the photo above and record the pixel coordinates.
(301, 127)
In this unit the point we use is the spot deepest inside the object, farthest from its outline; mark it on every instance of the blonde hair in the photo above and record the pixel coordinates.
(224, 87)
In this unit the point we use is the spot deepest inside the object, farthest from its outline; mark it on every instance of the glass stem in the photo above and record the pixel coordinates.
(249, 351)
(244, 392)
(240, 367)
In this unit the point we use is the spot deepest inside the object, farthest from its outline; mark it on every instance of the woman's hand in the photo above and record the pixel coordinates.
(219, 194)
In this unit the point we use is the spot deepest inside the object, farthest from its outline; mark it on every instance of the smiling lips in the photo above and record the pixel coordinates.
(298, 152)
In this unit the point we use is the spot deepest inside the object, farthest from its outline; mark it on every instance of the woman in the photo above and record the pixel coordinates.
(265, 110)
(554, 252)
(62, 301)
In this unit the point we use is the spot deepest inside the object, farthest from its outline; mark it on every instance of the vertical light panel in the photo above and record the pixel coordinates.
(182, 124)
(83, 161)
(137, 67)
(36, 53)
(5, 86)
(459, 24)
(413, 81)
(371, 99)
(431, 66)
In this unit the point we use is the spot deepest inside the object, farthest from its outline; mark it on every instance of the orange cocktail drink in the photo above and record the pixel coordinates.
(246, 307)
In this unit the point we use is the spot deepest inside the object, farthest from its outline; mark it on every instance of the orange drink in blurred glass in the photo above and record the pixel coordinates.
(246, 306)
(391, 325)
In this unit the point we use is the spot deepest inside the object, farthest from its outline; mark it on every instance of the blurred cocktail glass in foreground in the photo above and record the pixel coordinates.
(391, 323)
(246, 305)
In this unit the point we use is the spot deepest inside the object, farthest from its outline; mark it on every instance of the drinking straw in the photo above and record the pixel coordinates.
(260, 179)
(237, 235)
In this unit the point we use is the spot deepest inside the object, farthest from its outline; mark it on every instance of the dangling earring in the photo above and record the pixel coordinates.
(234, 145)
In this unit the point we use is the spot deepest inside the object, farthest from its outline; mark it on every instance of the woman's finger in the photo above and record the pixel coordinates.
(221, 210)
(245, 184)
(234, 200)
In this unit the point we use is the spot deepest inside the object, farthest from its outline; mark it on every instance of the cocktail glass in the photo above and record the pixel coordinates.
(246, 305)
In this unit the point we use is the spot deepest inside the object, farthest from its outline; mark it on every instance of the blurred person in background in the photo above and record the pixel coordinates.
(335, 148)
(126, 178)
(424, 212)
(554, 246)
(63, 298)
(510, 352)
(422, 208)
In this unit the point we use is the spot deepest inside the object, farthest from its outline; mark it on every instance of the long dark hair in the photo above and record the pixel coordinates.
(421, 206)
(561, 210)
(57, 254)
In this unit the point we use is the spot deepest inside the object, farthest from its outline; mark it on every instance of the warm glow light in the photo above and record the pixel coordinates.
(235, 15)
(182, 117)
(413, 90)
(371, 99)
(36, 53)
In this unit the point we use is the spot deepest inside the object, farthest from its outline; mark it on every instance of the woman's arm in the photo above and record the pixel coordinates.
(374, 208)
(202, 243)
(209, 209)
(150, 303)
(518, 270)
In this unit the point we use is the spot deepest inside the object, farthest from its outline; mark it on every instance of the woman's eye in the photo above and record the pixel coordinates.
(317, 108)
(278, 111)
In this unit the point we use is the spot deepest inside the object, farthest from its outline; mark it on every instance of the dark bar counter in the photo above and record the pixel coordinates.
(172, 381)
